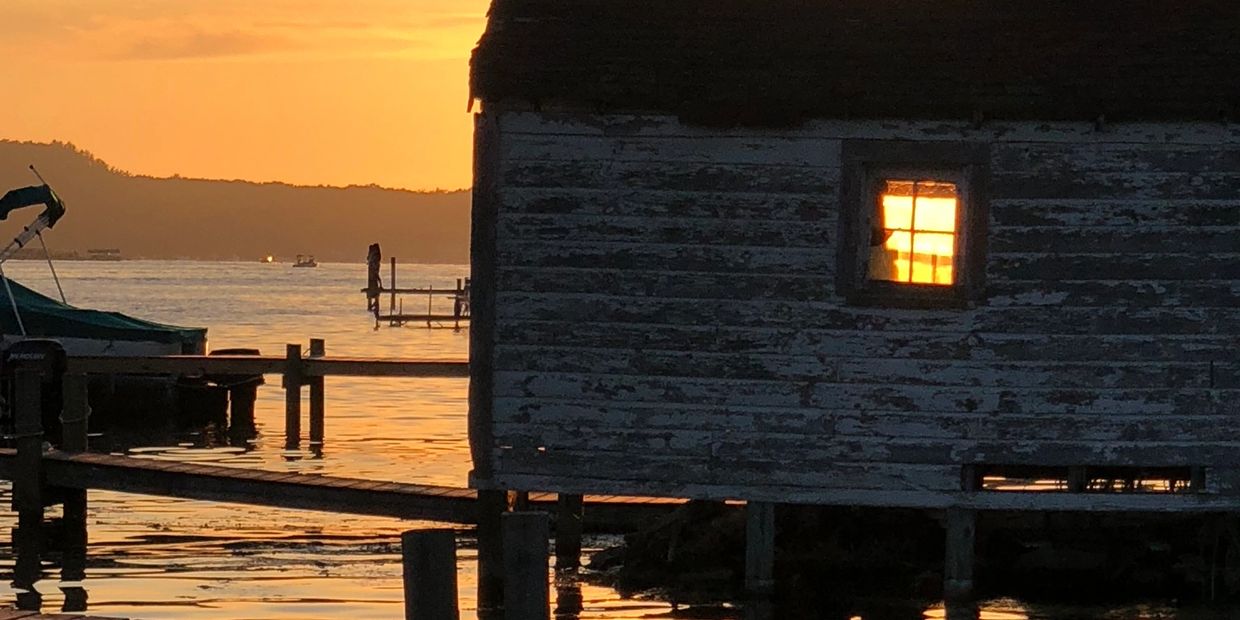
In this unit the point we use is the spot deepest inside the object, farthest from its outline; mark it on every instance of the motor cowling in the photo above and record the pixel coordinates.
(48, 358)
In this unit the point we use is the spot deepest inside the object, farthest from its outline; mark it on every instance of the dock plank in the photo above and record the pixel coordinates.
(18, 614)
(202, 481)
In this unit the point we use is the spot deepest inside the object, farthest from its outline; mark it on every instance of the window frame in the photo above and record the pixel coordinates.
(866, 166)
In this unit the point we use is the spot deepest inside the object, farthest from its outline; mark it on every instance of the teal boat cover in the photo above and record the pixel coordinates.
(45, 317)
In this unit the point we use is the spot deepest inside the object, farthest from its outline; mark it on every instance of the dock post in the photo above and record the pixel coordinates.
(457, 299)
(961, 529)
(429, 563)
(28, 477)
(759, 549)
(526, 589)
(292, 397)
(318, 348)
(1078, 479)
(520, 501)
(568, 527)
(75, 419)
(392, 287)
(492, 504)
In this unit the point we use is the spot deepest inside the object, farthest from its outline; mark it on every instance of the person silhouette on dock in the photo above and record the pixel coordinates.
(373, 283)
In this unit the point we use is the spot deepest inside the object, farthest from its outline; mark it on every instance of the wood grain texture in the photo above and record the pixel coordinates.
(668, 319)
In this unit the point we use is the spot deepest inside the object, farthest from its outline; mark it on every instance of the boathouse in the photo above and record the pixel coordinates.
(916, 253)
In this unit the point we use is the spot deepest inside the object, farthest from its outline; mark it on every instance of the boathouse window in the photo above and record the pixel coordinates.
(913, 239)
(913, 221)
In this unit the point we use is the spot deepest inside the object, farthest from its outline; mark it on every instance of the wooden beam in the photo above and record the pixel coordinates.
(262, 488)
(385, 368)
(267, 365)
(414, 291)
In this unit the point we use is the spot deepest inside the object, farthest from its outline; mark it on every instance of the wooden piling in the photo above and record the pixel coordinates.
(526, 588)
(75, 422)
(492, 504)
(568, 600)
(520, 501)
(429, 562)
(961, 530)
(75, 416)
(457, 299)
(241, 399)
(961, 610)
(292, 397)
(1078, 480)
(759, 549)
(568, 527)
(28, 476)
(318, 348)
(392, 284)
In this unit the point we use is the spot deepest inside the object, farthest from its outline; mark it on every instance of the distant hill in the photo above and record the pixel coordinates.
(147, 217)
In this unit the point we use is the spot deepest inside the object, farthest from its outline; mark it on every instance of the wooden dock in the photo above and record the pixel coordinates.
(219, 483)
(44, 477)
(18, 614)
(396, 315)
(297, 371)
(269, 365)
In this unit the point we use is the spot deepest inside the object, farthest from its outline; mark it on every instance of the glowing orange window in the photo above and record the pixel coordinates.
(914, 236)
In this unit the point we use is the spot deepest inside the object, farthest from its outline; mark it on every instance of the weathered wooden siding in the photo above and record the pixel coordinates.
(666, 315)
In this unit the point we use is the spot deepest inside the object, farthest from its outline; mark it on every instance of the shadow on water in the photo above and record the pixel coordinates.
(41, 548)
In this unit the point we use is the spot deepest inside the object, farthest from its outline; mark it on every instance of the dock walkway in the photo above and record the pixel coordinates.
(83, 470)
(18, 614)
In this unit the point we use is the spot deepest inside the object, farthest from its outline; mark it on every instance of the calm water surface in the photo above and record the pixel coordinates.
(156, 558)
(166, 558)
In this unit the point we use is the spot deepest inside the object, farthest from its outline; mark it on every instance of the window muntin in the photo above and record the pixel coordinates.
(892, 254)
(913, 240)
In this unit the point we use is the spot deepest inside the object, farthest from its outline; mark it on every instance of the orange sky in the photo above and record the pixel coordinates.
(330, 92)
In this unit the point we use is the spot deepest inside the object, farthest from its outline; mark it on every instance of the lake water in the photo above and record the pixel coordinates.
(153, 557)
(166, 558)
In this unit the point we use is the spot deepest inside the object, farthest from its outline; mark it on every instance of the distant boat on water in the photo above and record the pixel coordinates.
(104, 254)
(305, 260)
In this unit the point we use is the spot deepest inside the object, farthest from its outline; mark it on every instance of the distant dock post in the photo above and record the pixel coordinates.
(396, 317)
(318, 348)
(292, 397)
(458, 300)
(392, 287)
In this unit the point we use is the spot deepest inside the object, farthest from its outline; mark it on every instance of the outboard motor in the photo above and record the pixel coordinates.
(49, 359)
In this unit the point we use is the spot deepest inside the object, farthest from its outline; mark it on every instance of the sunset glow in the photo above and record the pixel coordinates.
(302, 91)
